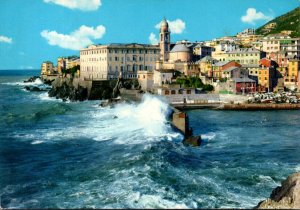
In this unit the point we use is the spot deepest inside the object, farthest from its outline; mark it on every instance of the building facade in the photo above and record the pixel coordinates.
(47, 68)
(104, 62)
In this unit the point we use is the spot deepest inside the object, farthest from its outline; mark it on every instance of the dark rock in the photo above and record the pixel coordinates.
(66, 91)
(193, 141)
(35, 89)
(287, 196)
(31, 79)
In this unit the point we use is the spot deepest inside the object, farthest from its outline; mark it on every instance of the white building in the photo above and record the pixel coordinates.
(104, 62)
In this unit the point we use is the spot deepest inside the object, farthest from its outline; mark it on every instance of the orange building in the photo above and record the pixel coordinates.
(267, 77)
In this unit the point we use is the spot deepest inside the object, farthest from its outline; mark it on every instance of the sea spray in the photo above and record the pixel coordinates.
(150, 115)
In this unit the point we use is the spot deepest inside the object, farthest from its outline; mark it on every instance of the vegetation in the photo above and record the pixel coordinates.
(194, 82)
(289, 21)
(71, 71)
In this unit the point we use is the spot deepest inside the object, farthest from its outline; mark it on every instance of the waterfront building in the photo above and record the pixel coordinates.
(104, 62)
(267, 76)
(291, 77)
(146, 80)
(242, 85)
(64, 63)
(218, 68)
(163, 76)
(47, 68)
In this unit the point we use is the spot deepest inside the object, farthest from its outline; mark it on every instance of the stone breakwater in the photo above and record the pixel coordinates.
(287, 196)
(253, 107)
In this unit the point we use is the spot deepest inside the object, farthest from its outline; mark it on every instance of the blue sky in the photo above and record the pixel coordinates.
(33, 31)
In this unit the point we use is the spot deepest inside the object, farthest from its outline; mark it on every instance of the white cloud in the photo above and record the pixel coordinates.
(76, 40)
(153, 39)
(176, 26)
(5, 39)
(252, 15)
(84, 5)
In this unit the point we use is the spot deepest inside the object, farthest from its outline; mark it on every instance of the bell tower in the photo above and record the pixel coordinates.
(164, 40)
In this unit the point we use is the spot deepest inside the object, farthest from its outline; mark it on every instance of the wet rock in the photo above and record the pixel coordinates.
(31, 79)
(287, 196)
(193, 141)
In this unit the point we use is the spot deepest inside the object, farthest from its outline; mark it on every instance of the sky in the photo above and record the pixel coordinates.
(33, 31)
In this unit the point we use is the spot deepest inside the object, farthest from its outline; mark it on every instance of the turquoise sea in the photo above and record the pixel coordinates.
(56, 154)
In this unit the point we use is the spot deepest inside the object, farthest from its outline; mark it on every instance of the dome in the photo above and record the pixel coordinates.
(180, 48)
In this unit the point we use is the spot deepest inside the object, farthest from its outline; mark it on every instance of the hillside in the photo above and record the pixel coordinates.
(289, 21)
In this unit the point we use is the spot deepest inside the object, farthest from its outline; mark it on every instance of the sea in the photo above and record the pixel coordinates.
(56, 154)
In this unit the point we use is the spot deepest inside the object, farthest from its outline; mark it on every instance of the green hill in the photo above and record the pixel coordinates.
(289, 21)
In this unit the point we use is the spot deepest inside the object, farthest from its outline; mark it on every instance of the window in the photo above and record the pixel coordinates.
(167, 92)
(116, 58)
(173, 92)
(188, 91)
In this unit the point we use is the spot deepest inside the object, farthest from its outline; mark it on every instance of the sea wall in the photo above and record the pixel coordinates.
(251, 107)
(205, 98)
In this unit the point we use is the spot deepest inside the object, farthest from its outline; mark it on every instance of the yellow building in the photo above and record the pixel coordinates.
(264, 79)
(245, 56)
(67, 63)
(205, 64)
(292, 74)
(47, 68)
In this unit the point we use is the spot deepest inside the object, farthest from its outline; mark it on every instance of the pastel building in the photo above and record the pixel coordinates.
(291, 78)
(267, 77)
(47, 68)
(105, 62)
(246, 56)
(146, 80)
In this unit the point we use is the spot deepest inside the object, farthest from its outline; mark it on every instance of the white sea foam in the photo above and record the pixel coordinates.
(125, 124)
(156, 201)
(37, 82)
(297, 168)
(45, 97)
(208, 136)
(37, 142)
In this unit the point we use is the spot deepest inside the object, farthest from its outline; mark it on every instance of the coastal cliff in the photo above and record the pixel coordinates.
(74, 89)
(63, 88)
(287, 196)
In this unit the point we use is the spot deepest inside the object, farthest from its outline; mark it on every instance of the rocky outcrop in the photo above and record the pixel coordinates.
(287, 196)
(64, 89)
(31, 79)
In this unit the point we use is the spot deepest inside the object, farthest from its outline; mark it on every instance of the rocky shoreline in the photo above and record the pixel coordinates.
(286, 196)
